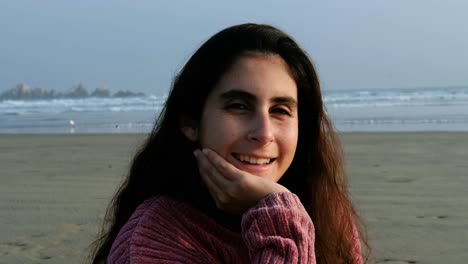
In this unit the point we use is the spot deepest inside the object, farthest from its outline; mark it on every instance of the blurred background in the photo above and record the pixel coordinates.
(102, 69)
(106, 66)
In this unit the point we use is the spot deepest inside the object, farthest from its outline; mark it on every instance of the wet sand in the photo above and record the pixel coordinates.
(411, 189)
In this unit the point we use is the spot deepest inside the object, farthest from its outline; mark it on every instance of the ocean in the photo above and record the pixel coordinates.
(418, 109)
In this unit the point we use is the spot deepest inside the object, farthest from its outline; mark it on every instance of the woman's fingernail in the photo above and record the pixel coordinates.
(196, 152)
(205, 151)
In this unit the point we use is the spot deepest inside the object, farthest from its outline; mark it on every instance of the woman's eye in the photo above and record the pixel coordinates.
(237, 106)
(281, 111)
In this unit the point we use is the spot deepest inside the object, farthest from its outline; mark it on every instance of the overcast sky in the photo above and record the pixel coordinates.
(140, 45)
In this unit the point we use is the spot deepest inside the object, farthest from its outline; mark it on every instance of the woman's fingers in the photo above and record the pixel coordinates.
(233, 190)
(210, 176)
(216, 183)
(225, 168)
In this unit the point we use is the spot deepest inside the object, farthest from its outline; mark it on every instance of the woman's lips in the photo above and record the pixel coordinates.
(252, 159)
(251, 164)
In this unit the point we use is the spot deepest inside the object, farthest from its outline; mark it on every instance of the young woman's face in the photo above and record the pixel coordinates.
(251, 117)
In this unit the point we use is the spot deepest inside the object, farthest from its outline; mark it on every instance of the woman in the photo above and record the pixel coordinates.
(242, 165)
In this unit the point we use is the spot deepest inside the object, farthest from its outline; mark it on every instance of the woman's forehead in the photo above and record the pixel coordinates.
(257, 74)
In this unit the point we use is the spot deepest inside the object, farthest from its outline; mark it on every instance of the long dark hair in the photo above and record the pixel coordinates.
(316, 174)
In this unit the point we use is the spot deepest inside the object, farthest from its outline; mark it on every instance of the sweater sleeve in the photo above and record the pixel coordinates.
(279, 230)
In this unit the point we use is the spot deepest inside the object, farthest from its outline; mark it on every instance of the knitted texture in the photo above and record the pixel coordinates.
(163, 230)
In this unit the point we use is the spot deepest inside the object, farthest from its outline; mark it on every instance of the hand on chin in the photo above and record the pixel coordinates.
(234, 190)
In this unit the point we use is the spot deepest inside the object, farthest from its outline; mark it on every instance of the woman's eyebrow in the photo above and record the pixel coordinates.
(286, 100)
(238, 94)
(243, 95)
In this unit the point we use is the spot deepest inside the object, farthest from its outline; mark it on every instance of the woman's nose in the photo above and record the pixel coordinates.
(261, 130)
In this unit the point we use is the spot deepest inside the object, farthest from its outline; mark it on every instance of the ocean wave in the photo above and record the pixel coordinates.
(396, 109)
(151, 103)
(333, 99)
(372, 121)
(397, 97)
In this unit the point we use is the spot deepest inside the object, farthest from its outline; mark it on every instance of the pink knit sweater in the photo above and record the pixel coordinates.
(163, 230)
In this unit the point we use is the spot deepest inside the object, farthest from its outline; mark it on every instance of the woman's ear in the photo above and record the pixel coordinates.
(189, 128)
(190, 132)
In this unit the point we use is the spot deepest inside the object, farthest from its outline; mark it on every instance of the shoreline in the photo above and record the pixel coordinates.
(409, 187)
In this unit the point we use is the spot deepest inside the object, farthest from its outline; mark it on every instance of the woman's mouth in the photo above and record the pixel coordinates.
(252, 160)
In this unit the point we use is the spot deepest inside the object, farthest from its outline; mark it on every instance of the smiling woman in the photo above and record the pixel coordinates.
(250, 118)
(242, 166)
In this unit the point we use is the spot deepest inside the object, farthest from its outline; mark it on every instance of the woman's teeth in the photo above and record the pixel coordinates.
(253, 160)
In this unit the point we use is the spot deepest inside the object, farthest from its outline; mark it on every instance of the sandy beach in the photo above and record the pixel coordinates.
(411, 189)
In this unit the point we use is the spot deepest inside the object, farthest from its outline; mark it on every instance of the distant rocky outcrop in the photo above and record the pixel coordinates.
(25, 92)
(101, 92)
(128, 94)
(77, 92)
